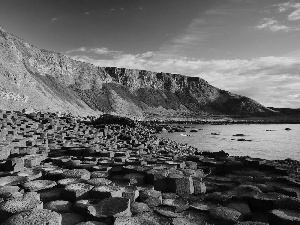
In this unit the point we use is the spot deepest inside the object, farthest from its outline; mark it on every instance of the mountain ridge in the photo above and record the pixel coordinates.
(39, 79)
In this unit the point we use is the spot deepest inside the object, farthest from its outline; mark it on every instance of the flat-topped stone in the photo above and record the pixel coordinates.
(29, 201)
(74, 192)
(38, 185)
(66, 181)
(12, 180)
(71, 218)
(99, 182)
(60, 206)
(224, 213)
(151, 197)
(102, 192)
(10, 191)
(37, 216)
(110, 207)
(77, 173)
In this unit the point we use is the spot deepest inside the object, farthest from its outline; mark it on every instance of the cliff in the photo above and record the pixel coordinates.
(38, 79)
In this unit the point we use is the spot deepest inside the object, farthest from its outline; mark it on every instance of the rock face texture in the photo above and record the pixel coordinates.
(37, 79)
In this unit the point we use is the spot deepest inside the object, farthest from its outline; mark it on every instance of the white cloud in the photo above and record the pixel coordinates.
(54, 20)
(272, 81)
(98, 51)
(272, 25)
(81, 49)
(290, 6)
(294, 15)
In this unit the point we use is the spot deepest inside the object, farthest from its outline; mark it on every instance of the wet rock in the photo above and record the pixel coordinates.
(263, 201)
(75, 192)
(51, 194)
(15, 164)
(102, 192)
(59, 206)
(155, 218)
(71, 218)
(77, 173)
(292, 192)
(99, 182)
(158, 178)
(10, 192)
(245, 191)
(135, 178)
(30, 174)
(67, 181)
(202, 206)
(287, 203)
(12, 180)
(110, 207)
(38, 185)
(130, 192)
(240, 206)
(199, 186)
(139, 207)
(224, 213)
(37, 216)
(151, 197)
(91, 223)
(180, 184)
(251, 223)
(220, 197)
(179, 204)
(99, 174)
(81, 205)
(286, 217)
(29, 201)
(133, 220)
(167, 211)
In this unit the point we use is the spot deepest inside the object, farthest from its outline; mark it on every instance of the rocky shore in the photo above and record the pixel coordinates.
(65, 170)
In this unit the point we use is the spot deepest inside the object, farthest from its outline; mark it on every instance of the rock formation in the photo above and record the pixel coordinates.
(37, 79)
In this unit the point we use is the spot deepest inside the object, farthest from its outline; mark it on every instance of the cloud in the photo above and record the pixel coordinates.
(87, 13)
(272, 81)
(98, 51)
(272, 25)
(81, 49)
(54, 20)
(294, 15)
(290, 6)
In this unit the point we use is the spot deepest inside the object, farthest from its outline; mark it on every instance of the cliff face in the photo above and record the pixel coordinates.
(43, 80)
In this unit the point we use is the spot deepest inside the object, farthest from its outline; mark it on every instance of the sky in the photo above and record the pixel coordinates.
(248, 47)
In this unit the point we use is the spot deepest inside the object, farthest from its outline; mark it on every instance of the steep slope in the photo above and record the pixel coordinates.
(43, 80)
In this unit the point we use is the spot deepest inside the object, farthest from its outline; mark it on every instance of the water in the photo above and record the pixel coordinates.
(275, 144)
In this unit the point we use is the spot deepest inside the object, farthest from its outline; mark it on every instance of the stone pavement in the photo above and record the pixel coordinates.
(59, 170)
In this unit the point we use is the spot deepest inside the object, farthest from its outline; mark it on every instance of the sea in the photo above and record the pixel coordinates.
(266, 141)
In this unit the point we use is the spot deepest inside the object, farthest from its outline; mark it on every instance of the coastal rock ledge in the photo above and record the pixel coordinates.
(58, 169)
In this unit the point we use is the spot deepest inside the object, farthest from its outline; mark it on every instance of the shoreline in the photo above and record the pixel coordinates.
(125, 174)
